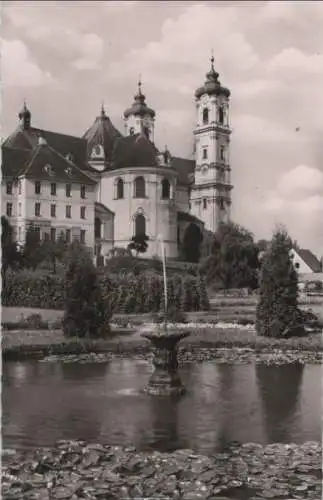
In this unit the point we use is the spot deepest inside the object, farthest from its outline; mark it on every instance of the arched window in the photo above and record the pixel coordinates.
(140, 225)
(221, 204)
(97, 228)
(120, 189)
(140, 188)
(204, 203)
(165, 189)
(221, 115)
(205, 116)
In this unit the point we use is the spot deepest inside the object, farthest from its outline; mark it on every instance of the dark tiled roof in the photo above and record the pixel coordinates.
(18, 140)
(184, 168)
(13, 160)
(64, 144)
(310, 259)
(134, 151)
(103, 133)
(185, 216)
(47, 164)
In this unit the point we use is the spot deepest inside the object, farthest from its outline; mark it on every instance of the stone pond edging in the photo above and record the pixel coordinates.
(74, 469)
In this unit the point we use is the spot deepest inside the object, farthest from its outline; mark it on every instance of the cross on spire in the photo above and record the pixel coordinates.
(139, 84)
(212, 57)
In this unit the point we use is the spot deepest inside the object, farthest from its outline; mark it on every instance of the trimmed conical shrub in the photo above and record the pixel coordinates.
(277, 312)
(87, 313)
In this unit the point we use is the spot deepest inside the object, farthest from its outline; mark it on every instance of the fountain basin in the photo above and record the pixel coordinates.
(165, 380)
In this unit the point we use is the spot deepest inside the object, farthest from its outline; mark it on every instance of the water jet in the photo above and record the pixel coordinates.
(165, 379)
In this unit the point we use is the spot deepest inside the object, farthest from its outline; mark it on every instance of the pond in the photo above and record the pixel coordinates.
(103, 402)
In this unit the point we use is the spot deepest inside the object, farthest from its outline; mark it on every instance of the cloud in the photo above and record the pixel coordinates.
(297, 202)
(49, 22)
(300, 181)
(184, 46)
(18, 67)
(293, 61)
(92, 48)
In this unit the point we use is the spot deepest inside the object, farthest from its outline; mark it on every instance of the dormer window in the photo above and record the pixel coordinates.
(97, 151)
(49, 169)
(205, 116)
(68, 171)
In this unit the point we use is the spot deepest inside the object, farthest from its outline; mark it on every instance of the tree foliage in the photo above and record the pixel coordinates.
(191, 245)
(139, 243)
(33, 250)
(54, 251)
(10, 254)
(277, 312)
(87, 313)
(233, 262)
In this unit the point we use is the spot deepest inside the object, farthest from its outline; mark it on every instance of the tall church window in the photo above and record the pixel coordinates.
(221, 204)
(140, 187)
(120, 189)
(204, 203)
(146, 131)
(222, 153)
(205, 116)
(165, 189)
(221, 115)
(140, 225)
(204, 153)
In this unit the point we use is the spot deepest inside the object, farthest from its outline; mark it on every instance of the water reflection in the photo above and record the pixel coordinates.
(164, 421)
(104, 402)
(279, 388)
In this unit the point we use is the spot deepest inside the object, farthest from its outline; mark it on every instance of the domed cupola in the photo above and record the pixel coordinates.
(101, 138)
(212, 85)
(25, 117)
(139, 118)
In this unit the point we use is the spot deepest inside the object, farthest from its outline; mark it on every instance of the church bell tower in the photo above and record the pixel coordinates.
(211, 192)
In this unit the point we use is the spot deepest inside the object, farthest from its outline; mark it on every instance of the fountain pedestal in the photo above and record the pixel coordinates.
(165, 379)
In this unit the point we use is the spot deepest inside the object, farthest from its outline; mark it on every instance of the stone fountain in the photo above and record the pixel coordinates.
(165, 380)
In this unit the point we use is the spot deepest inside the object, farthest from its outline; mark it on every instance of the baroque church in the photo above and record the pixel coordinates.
(108, 186)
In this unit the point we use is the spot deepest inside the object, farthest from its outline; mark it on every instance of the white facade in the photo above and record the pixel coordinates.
(160, 214)
(198, 192)
(51, 212)
(210, 195)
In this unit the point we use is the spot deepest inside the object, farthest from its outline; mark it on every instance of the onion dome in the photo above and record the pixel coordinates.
(212, 85)
(103, 134)
(25, 116)
(135, 151)
(139, 107)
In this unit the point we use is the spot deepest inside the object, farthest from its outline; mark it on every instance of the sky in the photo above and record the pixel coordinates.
(65, 58)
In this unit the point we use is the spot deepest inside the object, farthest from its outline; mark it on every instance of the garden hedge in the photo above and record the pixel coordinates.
(127, 294)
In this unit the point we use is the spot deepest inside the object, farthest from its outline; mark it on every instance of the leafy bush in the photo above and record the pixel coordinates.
(123, 294)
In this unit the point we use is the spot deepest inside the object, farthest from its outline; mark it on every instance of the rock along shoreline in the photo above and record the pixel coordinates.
(74, 469)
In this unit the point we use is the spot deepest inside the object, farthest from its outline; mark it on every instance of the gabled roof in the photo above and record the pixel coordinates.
(134, 151)
(13, 160)
(47, 164)
(184, 168)
(309, 258)
(102, 133)
(64, 144)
